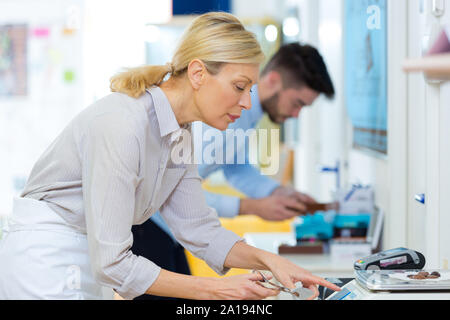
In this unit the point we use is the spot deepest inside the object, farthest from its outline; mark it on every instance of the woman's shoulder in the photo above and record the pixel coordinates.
(119, 103)
(114, 112)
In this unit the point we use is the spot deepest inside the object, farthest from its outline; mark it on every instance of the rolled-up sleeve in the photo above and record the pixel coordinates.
(110, 166)
(195, 225)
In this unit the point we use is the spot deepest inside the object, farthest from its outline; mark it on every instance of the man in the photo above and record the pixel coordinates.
(293, 79)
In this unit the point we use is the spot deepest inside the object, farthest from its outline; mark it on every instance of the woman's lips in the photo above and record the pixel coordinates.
(233, 118)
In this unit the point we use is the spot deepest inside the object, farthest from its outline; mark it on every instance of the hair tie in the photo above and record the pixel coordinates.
(170, 67)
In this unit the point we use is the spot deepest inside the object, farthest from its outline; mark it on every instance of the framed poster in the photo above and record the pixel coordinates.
(366, 72)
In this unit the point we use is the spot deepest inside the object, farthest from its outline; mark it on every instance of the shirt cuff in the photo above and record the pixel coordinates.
(141, 277)
(218, 250)
(264, 189)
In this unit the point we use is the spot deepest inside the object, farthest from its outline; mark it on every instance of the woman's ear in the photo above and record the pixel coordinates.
(196, 73)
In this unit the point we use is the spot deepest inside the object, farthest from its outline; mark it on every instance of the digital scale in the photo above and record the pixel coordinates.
(391, 285)
(386, 276)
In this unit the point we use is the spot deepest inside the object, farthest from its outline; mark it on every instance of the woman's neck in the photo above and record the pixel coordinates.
(180, 96)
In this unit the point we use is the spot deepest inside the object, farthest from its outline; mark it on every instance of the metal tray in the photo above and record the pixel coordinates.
(382, 280)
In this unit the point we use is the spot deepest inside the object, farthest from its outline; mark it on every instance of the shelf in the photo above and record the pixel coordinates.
(435, 67)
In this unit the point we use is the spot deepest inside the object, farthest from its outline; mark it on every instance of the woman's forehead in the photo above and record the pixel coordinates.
(246, 71)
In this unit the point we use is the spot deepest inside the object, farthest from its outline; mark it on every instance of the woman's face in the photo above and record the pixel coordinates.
(222, 98)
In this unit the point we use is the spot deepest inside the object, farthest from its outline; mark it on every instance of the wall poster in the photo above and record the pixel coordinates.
(366, 72)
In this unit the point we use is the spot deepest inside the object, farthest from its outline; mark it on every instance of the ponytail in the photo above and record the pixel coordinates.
(214, 38)
(134, 81)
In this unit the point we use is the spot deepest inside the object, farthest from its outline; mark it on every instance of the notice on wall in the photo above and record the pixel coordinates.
(13, 60)
(366, 72)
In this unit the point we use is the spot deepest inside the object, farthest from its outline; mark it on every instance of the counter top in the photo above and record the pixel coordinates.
(320, 264)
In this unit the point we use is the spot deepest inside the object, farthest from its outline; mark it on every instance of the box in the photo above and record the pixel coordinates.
(349, 250)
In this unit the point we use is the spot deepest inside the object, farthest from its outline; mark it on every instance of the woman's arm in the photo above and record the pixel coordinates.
(109, 151)
(287, 273)
(244, 256)
(245, 287)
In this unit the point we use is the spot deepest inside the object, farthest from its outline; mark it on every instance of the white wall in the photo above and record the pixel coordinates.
(326, 133)
(333, 114)
(109, 35)
(438, 216)
(323, 128)
(258, 8)
(444, 184)
(428, 147)
(114, 38)
(30, 123)
(307, 155)
(418, 148)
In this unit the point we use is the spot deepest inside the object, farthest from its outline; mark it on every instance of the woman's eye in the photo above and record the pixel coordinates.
(239, 88)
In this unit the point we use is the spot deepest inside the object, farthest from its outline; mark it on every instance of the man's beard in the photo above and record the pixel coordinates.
(270, 105)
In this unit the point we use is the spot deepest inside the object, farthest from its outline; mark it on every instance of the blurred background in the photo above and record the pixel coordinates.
(66, 51)
(386, 129)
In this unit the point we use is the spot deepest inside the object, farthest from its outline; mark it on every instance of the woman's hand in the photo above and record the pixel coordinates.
(243, 256)
(287, 273)
(242, 287)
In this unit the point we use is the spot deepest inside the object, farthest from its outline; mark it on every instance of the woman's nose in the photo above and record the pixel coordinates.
(246, 101)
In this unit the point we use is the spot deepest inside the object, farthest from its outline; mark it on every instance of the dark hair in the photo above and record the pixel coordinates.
(301, 65)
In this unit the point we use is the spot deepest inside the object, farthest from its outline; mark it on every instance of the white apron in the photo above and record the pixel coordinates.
(42, 257)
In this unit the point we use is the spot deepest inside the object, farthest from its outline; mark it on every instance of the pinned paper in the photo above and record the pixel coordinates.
(40, 32)
(69, 31)
(69, 76)
(442, 44)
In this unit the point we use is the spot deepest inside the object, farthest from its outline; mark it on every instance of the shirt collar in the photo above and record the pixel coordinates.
(168, 124)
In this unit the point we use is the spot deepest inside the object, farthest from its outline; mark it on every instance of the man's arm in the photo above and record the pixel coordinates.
(247, 179)
(226, 206)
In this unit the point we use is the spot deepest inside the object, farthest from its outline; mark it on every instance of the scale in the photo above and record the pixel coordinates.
(394, 285)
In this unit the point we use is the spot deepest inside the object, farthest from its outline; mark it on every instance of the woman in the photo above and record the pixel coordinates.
(112, 167)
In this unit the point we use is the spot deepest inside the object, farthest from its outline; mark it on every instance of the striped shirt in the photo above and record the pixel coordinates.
(110, 169)
(243, 177)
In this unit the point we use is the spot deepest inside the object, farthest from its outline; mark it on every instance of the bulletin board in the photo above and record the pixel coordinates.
(366, 72)
(41, 87)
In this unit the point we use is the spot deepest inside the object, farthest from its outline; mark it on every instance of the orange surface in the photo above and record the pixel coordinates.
(239, 225)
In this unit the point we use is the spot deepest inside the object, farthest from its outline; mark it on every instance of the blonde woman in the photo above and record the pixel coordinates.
(111, 168)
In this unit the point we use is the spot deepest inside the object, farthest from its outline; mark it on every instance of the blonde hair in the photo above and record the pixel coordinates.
(214, 38)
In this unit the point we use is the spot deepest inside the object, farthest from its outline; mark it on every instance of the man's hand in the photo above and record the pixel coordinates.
(301, 198)
(272, 208)
(291, 192)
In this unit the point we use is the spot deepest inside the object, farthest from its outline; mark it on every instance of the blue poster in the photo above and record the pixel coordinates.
(366, 72)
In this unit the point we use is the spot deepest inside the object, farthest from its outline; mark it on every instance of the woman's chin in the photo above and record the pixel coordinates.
(222, 126)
